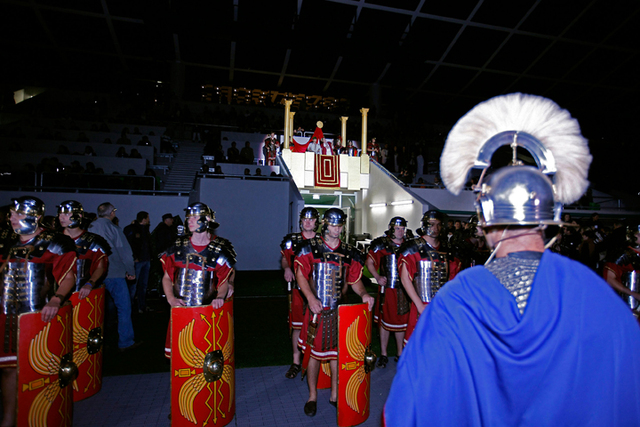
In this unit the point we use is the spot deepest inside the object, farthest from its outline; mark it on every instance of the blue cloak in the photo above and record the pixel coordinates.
(572, 358)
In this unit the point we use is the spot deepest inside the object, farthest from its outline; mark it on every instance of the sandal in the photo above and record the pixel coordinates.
(293, 371)
(382, 362)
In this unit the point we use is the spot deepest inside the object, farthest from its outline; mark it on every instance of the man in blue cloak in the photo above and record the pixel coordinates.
(531, 338)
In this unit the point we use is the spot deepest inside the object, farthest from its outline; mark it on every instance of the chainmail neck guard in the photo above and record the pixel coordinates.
(516, 272)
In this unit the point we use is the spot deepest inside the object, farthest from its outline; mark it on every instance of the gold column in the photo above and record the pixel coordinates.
(344, 119)
(287, 130)
(291, 114)
(364, 112)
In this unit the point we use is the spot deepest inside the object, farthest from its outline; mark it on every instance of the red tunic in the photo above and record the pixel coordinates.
(389, 319)
(325, 344)
(410, 263)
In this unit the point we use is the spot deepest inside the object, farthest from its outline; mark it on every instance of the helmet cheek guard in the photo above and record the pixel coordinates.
(28, 225)
(33, 209)
(203, 224)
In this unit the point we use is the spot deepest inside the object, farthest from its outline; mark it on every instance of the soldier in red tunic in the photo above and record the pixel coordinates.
(26, 252)
(392, 308)
(425, 265)
(308, 224)
(324, 265)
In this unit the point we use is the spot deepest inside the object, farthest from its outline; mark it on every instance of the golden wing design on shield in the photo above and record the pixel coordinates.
(45, 363)
(80, 336)
(40, 358)
(356, 350)
(228, 353)
(193, 357)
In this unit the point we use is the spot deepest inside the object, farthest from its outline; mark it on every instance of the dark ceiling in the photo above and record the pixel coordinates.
(436, 58)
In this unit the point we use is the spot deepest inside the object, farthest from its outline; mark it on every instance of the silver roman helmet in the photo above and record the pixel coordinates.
(201, 211)
(518, 194)
(33, 208)
(427, 228)
(309, 213)
(75, 209)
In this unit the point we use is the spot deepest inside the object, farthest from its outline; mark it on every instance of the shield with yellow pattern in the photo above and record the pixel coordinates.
(355, 362)
(88, 330)
(45, 370)
(202, 366)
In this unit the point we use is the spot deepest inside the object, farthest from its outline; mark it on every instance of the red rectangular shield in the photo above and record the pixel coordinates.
(88, 331)
(44, 399)
(202, 365)
(354, 385)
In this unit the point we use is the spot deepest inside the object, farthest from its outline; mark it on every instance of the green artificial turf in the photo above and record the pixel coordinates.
(261, 328)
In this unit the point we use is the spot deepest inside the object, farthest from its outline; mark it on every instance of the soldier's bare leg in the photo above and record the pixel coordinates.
(399, 342)
(333, 364)
(296, 350)
(313, 370)
(9, 387)
(384, 340)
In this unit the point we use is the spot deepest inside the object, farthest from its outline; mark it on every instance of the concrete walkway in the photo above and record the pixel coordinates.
(264, 397)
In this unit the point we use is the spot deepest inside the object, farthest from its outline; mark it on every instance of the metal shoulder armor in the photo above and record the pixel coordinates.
(410, 247)
(352, 253)
(53, 242)
(8, 239)
(220, 252)
(306, 247)
(290, 241)
(228, 245)
(179, 249)
(377, 244)
(92, 242)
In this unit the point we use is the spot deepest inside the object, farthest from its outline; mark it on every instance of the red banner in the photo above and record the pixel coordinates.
(327, 171)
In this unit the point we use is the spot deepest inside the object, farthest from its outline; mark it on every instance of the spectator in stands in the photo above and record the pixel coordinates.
(218, 170)
(258, 172)
(82, 137)
(246, 154)
(62, 149)
(140, 240)
(144, 141)
(122, 152)
(136, 131)
(76, 167)
(88, 151)
(165, 143)
(131, 172)
(121, 268)
(90, 168)
(233, 155)
(123, 140)
(247, 172)
(134, 154)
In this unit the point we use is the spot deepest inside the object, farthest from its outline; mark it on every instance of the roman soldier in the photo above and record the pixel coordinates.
(324, 266)
(93, 251)
(622, 266)
(523, 339)
(87, 299)
(309, 218)
(197, 272)
(27, 251)
(425, 265)
(392, 307)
